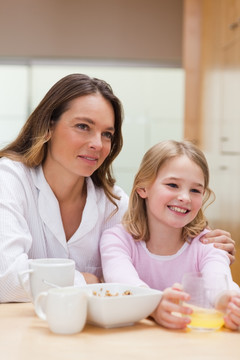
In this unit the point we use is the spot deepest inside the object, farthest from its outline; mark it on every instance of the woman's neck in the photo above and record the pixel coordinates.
(66, 188)
(71, 193)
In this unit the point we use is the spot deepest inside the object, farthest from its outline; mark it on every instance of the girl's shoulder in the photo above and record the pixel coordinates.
(203, 249)
(207, 253)
(198, 237)
(119, 232)
(196, 242)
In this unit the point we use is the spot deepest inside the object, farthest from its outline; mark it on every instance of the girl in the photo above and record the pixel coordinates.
(158, 240)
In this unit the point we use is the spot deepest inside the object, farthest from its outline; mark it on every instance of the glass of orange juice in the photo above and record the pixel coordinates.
(204, 290)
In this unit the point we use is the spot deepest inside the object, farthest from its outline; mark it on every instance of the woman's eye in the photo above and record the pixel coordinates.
(82, 126)
(108, 135)
(172, 185)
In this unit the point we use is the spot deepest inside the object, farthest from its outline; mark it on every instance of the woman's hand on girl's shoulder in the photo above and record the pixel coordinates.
(221, 240)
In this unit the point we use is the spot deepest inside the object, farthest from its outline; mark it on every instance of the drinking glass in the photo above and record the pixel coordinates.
(204, 291)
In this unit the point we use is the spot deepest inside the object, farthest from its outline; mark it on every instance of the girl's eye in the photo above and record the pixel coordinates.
(108, 135)
(172, 185)
(196, 191)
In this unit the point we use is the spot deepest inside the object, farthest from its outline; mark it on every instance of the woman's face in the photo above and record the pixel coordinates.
(81, 139)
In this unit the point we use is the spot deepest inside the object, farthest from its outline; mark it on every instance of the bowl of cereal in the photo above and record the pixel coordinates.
(114, 305)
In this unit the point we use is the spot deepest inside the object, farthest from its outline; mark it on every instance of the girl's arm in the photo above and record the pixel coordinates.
(116, 249)
(215, 261)
(170, 310)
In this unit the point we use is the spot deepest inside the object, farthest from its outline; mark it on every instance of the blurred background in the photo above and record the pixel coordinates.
(173, 63)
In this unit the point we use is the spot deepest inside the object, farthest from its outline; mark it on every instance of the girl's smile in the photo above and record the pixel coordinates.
(176, 195)
(178, 209)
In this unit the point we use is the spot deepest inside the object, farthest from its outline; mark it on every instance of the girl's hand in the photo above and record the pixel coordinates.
(230, 304)
(232, 317)
(171, 303)
(222, 240)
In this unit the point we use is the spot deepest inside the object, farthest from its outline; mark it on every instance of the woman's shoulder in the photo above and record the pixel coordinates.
(15, 174)
(15, 179)
(100, 196)
(123, 197)
(117, 190)
(12, 167)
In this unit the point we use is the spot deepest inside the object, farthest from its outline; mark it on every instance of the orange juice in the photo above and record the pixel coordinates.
(205, 319)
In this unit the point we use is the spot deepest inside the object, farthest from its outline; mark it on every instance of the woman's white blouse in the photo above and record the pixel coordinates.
(31, 226)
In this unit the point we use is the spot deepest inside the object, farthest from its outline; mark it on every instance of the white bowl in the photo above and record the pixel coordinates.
(118, 309)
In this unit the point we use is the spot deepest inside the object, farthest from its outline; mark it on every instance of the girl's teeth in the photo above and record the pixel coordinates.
(177, 209)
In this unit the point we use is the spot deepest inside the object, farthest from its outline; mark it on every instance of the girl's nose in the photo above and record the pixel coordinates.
(184, 196)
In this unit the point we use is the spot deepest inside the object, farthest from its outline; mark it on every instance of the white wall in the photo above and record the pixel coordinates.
(152, 97)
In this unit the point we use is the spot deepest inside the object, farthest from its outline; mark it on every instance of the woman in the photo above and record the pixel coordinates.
(57, 192)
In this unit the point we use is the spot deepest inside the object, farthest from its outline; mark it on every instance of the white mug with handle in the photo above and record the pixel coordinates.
(64, 309)
(46, 273)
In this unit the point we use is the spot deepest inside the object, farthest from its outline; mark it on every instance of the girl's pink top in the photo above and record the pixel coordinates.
(126, 260)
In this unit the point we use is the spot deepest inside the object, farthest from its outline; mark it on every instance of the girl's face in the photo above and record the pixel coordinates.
(176, 195)
(81, 139)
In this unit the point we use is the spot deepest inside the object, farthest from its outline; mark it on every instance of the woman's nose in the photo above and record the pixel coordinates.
(96, 141)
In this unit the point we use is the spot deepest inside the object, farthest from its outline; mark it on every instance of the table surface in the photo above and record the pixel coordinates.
(23, 336)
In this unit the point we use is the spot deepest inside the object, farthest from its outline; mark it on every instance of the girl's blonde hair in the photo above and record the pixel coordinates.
(135, 219)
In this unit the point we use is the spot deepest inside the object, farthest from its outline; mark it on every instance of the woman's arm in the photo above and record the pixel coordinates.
(15, 238)
(90, 278)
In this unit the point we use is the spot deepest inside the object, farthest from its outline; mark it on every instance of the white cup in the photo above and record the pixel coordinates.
(65, 309)
(46, 273)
